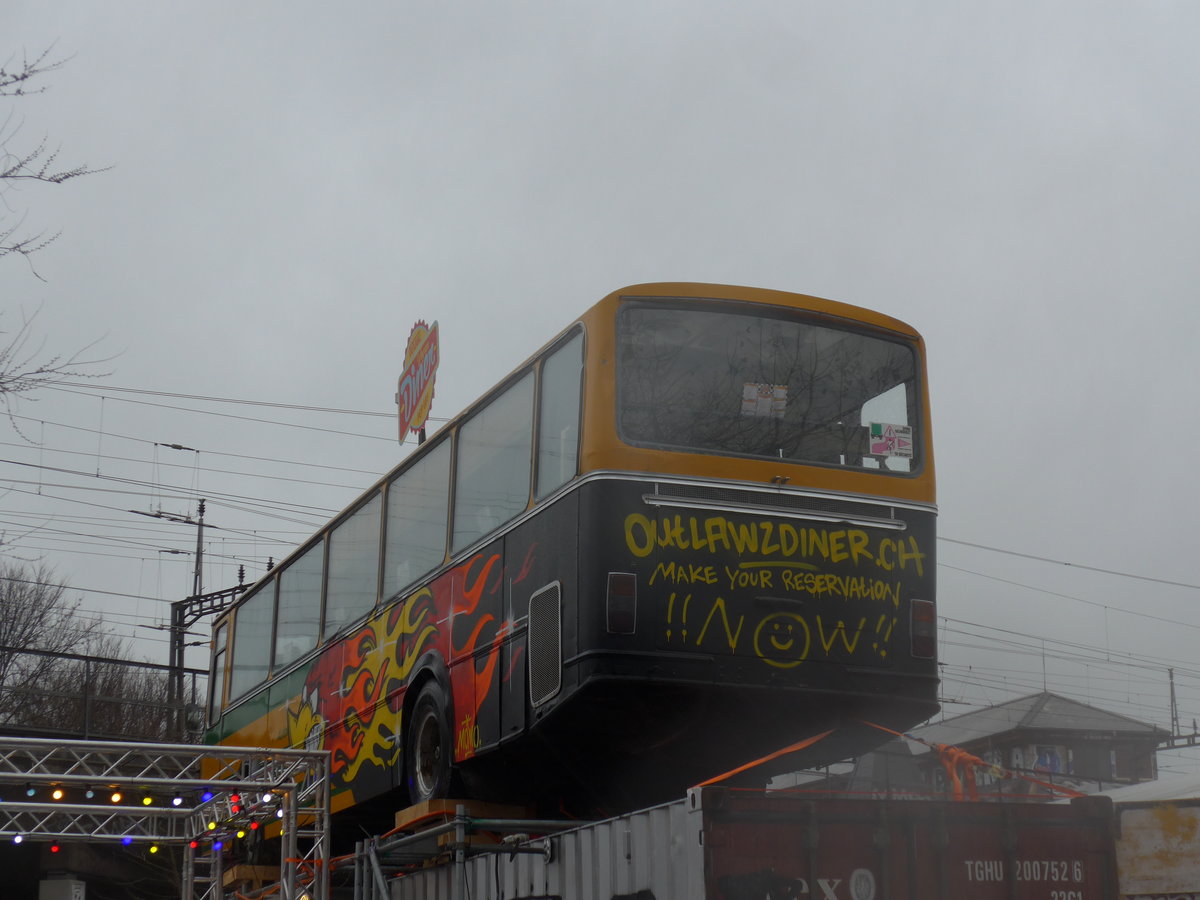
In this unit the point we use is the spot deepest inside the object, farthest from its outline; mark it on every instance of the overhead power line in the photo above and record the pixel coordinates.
(70, 587)
(103, 387)
(207, 452)
(121, 509)
(191, 467)
(256, 420)
(1061, 562)
(126, 437)
(190, 493)
(1140, 613)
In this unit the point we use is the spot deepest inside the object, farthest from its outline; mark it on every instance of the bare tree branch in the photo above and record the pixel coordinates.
(39, 164)
(15, 78)
(24, 365)
(25, 368)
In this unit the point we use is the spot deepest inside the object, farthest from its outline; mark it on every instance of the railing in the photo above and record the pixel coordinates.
(48, 694)
(199, 800)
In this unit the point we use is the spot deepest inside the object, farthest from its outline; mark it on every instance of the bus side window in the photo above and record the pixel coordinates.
(417, 511)
(494, 449)
(250, 656)
(216, 688)
(298, 622)
(352, 576)
(558, 422)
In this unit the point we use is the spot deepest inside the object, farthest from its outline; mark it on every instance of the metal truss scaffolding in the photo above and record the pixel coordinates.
(195, 797)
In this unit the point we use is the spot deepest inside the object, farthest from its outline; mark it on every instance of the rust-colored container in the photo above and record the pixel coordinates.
(719, 844)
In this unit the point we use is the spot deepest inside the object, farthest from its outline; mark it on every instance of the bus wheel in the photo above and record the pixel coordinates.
(428, 745)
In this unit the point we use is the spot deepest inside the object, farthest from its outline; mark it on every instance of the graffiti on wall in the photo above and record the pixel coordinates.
(752, 588)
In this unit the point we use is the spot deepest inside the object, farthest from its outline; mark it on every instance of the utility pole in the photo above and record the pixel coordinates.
(179, 629)
(185, 613)
(188, 611)
(1174, 705)
(1176, 739)
(197, 582)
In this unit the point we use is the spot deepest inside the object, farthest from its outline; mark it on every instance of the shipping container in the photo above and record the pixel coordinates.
(725, 844)
(1158, 849)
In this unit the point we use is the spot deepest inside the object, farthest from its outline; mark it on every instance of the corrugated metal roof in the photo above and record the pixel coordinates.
(1044, 712)
(1170, 787)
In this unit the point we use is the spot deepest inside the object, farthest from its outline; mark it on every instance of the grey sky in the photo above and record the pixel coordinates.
(293, 185)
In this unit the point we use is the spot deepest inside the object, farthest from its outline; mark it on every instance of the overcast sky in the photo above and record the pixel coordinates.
(293, 185)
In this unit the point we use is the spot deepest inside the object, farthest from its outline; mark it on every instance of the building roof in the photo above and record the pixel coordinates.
(1037, 712)
(889, 768)
(1172, 787)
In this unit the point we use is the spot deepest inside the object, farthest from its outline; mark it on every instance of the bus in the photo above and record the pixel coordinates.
(693, 528)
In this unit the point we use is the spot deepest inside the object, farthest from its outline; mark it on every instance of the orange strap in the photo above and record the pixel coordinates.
(799, 745)
(955, 760)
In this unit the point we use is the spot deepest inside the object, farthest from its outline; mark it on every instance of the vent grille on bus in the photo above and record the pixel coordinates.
(545, 643)
(775, 499)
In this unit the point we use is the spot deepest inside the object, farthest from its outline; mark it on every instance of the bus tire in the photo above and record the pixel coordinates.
(428, 755)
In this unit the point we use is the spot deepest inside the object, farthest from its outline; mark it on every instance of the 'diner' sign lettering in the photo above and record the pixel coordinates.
(415, 390)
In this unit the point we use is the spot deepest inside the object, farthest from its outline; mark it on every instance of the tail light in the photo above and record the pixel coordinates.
(923, 629)
(622, 602)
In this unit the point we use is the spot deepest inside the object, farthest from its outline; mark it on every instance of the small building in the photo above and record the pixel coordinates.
(1028, 743)
(1045, 737)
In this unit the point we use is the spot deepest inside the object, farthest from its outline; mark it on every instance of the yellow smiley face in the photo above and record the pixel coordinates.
(782, 640)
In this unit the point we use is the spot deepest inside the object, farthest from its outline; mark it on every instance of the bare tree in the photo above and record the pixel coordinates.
(24, 364)
(61, 672)
(35, 615)
(36, 164)
(106, 695)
